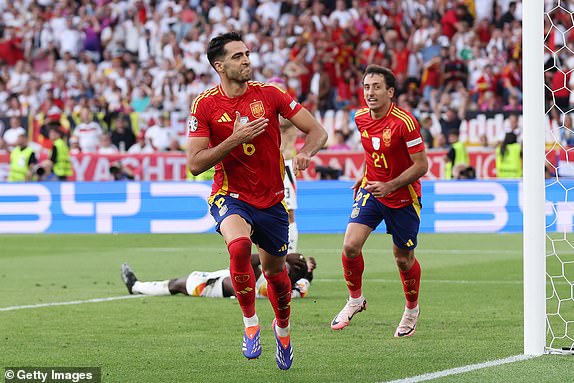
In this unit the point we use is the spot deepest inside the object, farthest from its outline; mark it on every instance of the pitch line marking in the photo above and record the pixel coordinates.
(461, 370)
(338, 250)
(446, 281)
(80, 302)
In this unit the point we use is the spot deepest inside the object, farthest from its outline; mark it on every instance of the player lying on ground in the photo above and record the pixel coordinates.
(218, 284)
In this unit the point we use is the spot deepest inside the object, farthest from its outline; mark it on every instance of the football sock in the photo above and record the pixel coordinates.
(413, 311)
(251, 322)
(151, 288)
(411, 280)
(283, 332)
(293, 238)
(279, 293)
(353, 271)
(242, 275)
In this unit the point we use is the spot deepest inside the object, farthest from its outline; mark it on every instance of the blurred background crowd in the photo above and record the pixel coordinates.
(90, 65)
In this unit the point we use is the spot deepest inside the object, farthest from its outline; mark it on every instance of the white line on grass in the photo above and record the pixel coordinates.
(460, 370)
(324, 250)
(96, 300)
(446, 281)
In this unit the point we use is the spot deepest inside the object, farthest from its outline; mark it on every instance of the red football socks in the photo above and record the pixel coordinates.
(353, 271)
(279, 294)
(411, 281)
(242, 275)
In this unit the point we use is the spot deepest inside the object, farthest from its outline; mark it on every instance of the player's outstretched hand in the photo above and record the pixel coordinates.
(301, 162)
(245, 132)
(378, 189)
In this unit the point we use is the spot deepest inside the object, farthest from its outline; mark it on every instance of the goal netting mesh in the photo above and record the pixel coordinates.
(559, 63)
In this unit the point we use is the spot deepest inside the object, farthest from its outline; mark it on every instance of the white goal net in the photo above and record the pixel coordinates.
(559, 105)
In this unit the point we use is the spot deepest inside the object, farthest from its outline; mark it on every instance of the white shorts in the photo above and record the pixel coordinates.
(290, 183)
(210, 285)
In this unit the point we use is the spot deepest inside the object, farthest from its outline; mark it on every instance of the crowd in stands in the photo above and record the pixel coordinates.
(88, 65)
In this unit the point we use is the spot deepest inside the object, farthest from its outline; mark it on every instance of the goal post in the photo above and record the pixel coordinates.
(534, 221)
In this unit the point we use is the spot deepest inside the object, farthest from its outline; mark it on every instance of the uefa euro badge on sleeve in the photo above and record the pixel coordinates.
(192, 124)
(355, 212)
(376, 142)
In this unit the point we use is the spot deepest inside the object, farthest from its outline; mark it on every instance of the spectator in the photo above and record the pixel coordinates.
(75, 145)
(453, 116)
(160, 135)
(61, 59)
(88, 132)
(340, 141)
(141, 146)
(14, 130)
(106, 146)
(122, 136)
(426, 125)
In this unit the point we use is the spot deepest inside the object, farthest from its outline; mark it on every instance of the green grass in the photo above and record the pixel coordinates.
(471, 301)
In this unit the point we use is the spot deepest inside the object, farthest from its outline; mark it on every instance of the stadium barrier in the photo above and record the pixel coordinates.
(324, 207)
(171, 166)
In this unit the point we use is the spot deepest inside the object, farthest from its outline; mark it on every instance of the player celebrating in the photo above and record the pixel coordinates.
(390, 190)
(235, 127)
(288, 138)
(217, 284)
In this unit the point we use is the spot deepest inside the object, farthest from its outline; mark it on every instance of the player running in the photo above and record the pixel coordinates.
(390, 190)
(235, 127)
(217, 284)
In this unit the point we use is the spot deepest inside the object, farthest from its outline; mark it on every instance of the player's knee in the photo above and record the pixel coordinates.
(272, 270)
(351, 249)
(404, 259)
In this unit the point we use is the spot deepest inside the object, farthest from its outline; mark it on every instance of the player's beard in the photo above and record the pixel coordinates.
(241, 75)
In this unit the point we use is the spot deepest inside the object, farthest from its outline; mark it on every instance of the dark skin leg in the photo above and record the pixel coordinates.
(178, 285)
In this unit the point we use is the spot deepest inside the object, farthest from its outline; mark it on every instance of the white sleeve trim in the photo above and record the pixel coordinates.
(414, 142)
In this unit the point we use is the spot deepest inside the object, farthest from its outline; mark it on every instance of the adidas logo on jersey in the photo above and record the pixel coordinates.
(224, 118)
(365, 134)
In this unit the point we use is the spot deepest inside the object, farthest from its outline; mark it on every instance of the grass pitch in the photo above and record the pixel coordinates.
(471, 302)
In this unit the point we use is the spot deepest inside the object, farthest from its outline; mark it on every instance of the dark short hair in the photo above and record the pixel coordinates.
(389, 76)
(216, 47)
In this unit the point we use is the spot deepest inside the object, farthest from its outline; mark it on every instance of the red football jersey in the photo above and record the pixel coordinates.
(388, 143)
(252, 172)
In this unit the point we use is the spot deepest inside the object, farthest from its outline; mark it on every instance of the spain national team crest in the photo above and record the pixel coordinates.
(376, 142)
(387, 137)
(257, 109)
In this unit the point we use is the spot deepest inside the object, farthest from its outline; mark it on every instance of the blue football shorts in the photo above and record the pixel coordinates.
(402, 223)
(269, 227)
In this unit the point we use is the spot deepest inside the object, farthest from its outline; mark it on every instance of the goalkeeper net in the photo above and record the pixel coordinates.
(559, 104)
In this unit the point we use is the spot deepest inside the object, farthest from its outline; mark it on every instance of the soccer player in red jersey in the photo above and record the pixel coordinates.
(390, 190)
(235, 127)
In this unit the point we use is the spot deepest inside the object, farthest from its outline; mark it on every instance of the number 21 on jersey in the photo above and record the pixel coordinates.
(379, 160)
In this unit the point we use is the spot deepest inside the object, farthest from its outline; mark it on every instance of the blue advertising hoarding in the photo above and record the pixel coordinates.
(324, 207)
